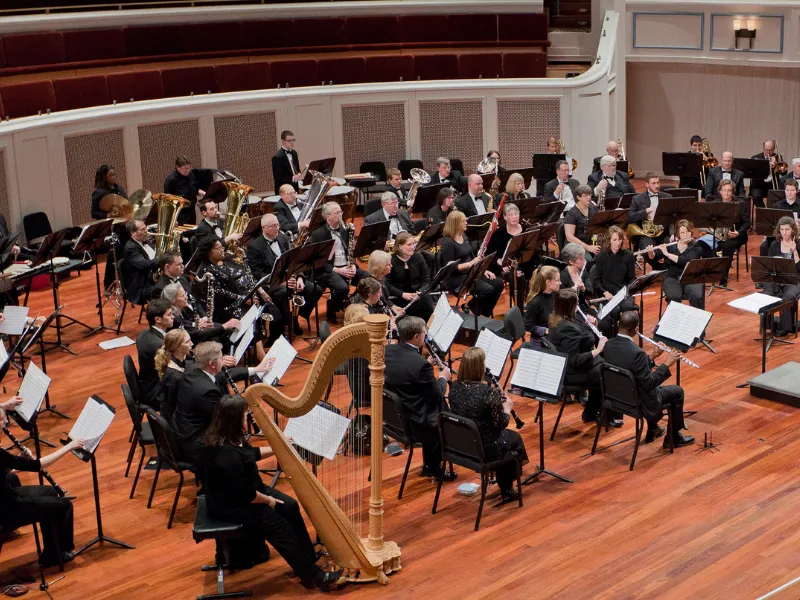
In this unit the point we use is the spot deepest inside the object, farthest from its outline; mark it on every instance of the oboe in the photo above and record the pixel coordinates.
(594, 329)
(25, 451)
(493, 381)
(666, 348)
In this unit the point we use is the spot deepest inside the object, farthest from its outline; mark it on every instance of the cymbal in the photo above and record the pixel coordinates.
(141, 201)
(115, 205)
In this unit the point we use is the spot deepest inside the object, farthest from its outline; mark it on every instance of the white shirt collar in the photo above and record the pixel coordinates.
(625, 336)
(210, 376)
(159, 330)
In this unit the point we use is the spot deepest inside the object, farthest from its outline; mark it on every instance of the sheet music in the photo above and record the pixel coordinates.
(34, 387)
(613, 303)
(244, 344)
(683, 323)
(448, 331)
(14, 321)
(283, 353)
(539, 371)
(246, 321)
(3, 353)
(92, 424)
(440, 313)
(319, 431)
(119, 342)
(753, 303)
(496, 349)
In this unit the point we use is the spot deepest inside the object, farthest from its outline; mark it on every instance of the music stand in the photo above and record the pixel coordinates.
(671, 210)
(681, 164)
(774, 196)
(435, 281)
(544, 165)
(767, 220)
(549, 212)
(250, 232)
(711, 215)
(477, 224)
(37, 336)
(93, 236)
(639, 285)
(430, 237)
(756, 169)
(311, 258)
(620, 202)
(527, 209)
(520, 250)
(777, 271)
(527, 175)
(475, 272)
(703, 271)
(426, 197)
(604, 219)
(323, 165)
(371, 237)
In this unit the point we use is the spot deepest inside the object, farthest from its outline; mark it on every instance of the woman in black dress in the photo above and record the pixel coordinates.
(675, 257)
(237, 494)
(574, 338)
(614, 268)
(576, 276)
(408, 275)
(515, 188)
(182, 182)
(539, 305)
(444, 206)
(576, 222)
(785, 246)
(456, 246)
(172, 361)
(490, 409)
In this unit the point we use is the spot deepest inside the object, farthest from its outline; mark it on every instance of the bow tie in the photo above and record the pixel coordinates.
(653, 195)
(725, 171)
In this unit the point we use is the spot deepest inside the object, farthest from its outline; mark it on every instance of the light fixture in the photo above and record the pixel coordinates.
(744, 30)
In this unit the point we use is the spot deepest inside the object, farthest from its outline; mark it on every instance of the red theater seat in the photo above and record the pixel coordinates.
(182, 81)
(155, 40)
(2, 54)
(319, 32)
(243, 76)
(342, 70)
(144, 85)
(473, 28)
(524, 64)
(372, 30)
(436, 66)
(268, 34)
(2, 109)
(390, 68)
(31, 49)
(213, 37)
(85, 45)
(27, 99)
(295, 73)
(485, 65)
(523, 27)
(80, 92)
(428, 29)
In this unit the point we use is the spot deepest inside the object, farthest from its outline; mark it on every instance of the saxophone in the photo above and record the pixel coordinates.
(207, 277)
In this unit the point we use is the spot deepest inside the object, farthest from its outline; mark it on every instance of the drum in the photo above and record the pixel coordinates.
(343, 194)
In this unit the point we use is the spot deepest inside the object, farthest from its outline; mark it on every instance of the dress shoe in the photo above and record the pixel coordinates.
(588, 418)
(723, 283)
(509, 495)
(654, 434)
(443, 475)
(616, 423)
(680, 441)
(297, 329)
(52, 560)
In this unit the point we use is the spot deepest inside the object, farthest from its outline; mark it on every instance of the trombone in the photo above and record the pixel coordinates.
(780, 168)
(709, 162)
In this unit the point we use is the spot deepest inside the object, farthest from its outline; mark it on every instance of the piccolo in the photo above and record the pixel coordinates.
(666, 348)
(62, 493)
(594, 329)
(493, 381)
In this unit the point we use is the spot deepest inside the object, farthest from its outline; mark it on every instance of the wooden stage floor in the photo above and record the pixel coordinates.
(722, 525)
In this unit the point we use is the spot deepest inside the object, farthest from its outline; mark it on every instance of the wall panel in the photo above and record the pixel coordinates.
(373, 132)
(524, 126)
(245, 145)
(160, 144)
(453, 129)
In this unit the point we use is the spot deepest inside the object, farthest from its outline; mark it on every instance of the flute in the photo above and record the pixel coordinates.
(604, 299)
(24, 450)
(594, 329)
(666, 348)
(493, 381)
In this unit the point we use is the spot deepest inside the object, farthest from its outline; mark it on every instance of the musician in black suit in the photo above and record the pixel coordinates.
(262, 253)
(171, 265)
(186, 317)
(613, 182)
(410, 377)
(105, 183)
(675, 257)
(736, 236)
(212, 224)
(789, 202)
(562, 187)
(444, 174)
(643, 208)
(445, 199)
(695, 147)
(793, 174)
(760, 188)
(182, 182)
(199, 392)
(475, 201)
(338, 273)
(139, 260)
(160, 319)
(285, 164)
(288, 210)
(621, 351)
(394, 184)
(724, 172)
(612, 149)
(398, 220)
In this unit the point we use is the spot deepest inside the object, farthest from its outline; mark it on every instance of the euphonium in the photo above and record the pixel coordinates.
(168, 208)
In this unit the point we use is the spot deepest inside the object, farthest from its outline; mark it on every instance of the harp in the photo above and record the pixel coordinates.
(364, 559)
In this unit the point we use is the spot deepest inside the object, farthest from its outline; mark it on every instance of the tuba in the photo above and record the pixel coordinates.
(321, 184)
(235, 221)
(168, 208)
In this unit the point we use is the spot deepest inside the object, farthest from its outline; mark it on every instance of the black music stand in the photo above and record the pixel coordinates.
(710, 215)
(778, 271)
(476, 271)
(774, 196)
(477, 226)
(92, 237)
(766, 315)
(37, 337)
(430, 237)
(283, 269)
(639, 285)
(520, 250)
(323, 165)
(544, 166)
(435, 281)
(766, 220)
(86, 456)
(311, 258)
(549, 212)
(671, 210)
(527, 175)
(756, 169)
(250, 232)
(370, 238)
(527, 210)
(426, 197)
(682, 164)
(705, 271)
(604, 219)
(620, 202)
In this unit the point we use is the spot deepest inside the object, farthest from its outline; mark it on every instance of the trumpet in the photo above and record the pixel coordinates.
(666, 348)
(62, 493)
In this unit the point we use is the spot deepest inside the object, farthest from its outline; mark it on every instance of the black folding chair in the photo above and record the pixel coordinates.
(514, 330)
(143, 436)
(396, 426)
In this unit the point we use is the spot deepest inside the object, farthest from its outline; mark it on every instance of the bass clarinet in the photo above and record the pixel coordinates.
(62, 493)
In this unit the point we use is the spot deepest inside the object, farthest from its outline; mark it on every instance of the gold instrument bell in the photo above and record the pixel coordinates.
(168, 208)
(235, 221)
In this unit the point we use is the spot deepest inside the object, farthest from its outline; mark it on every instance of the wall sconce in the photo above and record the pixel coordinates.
(744, 30)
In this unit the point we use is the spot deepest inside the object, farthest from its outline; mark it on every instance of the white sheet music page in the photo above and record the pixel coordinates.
(34, 387)
(244, 323)
(319, 431)
(613, 303)
(92, 424)
(14, 320)
(448, 331)
(283, 353)
(683, 323)
(539, 371)
(440, 313)
(3, 353)
(753, 302)
(243, 344)
(496, 349)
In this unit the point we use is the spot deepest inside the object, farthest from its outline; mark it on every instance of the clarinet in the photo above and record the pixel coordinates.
(25, 451)
(493, 381)
(434, 355)
(250, 420)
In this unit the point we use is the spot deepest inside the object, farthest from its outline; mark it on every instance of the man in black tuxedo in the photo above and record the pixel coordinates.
(760, 188)
(285, 164)
(398, 221)
(724, 172)
(159, 318)
(621, 351)
(410, 377)
(288, 210)
(338, 274)
(444, 174)
(212, 225)
(183, 182)
(262, 253)
(695, 147)
(793, 174)
(737, 236)
(475, 201)
(608, 179)
(394, 184)
(643, 208)
(612, 149)
(139, 260)
(562, 188)
(171, 265)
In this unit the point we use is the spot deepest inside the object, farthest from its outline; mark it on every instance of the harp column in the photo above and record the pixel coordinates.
(382, 554)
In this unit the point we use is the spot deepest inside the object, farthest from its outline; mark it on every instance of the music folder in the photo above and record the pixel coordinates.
(496, 350)
(91, 426)
(682, 325)
(540, 373)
